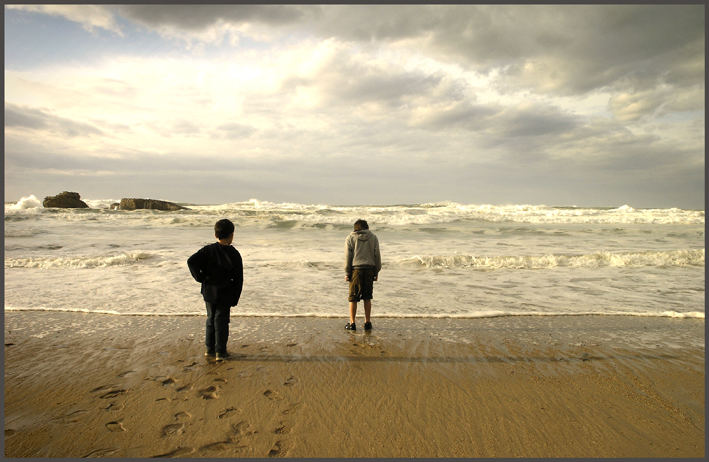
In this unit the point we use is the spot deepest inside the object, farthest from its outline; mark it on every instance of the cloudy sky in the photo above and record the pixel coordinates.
(589, 105)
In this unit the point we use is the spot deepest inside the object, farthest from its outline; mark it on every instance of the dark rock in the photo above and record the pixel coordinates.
(134, 204)
(66, 200)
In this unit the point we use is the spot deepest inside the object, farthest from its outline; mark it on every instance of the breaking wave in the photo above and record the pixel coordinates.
(29, 202)
(595, 260)
(287, 215)
(121, 259)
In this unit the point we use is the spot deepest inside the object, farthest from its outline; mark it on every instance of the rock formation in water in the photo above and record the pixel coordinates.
(66, 200)
(153, 204)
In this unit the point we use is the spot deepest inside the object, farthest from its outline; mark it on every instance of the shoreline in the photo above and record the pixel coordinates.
(78, 385)
(443, 316)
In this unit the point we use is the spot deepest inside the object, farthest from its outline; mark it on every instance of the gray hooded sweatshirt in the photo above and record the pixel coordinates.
(362, 249)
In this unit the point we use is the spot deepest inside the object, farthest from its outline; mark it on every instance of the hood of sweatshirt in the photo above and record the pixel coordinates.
(362, 235)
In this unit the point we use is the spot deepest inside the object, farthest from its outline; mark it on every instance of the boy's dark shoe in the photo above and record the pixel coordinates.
(350, 326)
(222, 356)
(367, 326)
(209, 354)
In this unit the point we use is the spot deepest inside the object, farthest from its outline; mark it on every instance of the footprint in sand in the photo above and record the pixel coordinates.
(115, 407)
(291, 344)
(290, 381)
(115, 426)
(220, 380)
(189, 367)
(208, 393)
(185, 388)
(9, 432)
(123, 374)
(227, 412)
(276, 451)
(176, 428)
(168, 381)
(173, 429)
(112, 394)
(281, 429)
(292, 408)
(240, 428)
(272, 395)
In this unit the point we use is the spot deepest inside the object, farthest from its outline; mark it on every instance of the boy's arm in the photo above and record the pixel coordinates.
(239, 283)
(196, 265)
(348, 259)
(377, 255)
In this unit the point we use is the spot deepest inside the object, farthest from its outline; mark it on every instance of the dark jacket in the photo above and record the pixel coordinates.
(220, 270)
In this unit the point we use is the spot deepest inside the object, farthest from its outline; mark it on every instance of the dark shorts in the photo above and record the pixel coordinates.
(361, 284)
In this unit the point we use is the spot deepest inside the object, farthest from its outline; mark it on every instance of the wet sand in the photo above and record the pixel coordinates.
(87, 385)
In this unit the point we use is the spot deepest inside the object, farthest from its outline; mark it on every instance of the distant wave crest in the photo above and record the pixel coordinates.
(287, 215)
(125, 258)
(595, 260)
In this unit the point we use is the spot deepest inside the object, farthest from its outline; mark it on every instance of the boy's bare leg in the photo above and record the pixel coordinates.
(353, 311)
(367, 310)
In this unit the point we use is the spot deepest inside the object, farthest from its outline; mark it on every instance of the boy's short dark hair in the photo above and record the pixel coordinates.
(360, 224)
(223, 228)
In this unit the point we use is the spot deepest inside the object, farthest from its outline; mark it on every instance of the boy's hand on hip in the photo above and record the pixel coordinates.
(347, 277)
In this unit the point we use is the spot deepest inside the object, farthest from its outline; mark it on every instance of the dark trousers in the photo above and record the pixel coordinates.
(217, 327)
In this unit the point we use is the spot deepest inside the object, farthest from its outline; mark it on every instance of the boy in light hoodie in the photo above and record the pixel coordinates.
(362, 265)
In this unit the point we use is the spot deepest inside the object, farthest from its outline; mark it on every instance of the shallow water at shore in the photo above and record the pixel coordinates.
(439, 260)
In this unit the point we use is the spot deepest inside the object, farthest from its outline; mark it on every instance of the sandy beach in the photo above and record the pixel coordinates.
(88, 385)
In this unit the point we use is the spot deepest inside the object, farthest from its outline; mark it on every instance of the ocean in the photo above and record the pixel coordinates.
(440, 260)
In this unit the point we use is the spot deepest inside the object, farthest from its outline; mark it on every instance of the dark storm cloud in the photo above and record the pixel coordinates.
(354, 82)
(380, 87)
(501, 124)
(197, 17)
(584, 47)
(543, 123)
(465, 115)
(36, 119)
(525, 124)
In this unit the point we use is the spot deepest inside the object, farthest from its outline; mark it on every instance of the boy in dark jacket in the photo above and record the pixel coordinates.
(218, 267)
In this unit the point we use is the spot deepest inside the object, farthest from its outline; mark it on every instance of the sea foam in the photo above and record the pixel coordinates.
(125, 258)
(287, 215)
(29, 202)
(594, 260)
